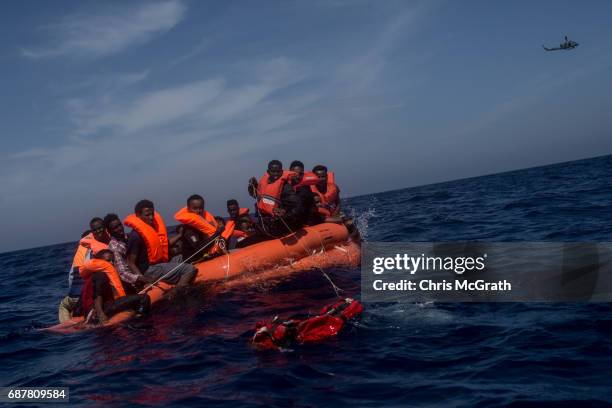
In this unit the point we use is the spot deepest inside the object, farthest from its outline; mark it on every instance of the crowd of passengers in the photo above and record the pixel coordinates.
(111, 268)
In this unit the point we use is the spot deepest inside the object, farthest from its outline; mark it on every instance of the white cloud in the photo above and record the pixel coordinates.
(203, 134)
(167, 105)
(110, 32)
(172, 120)
(361, 73)
(36, 152)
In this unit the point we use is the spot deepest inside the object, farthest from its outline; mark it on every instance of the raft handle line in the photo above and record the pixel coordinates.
(333, 285)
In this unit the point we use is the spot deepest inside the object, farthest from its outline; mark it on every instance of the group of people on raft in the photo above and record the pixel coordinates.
(110, 268)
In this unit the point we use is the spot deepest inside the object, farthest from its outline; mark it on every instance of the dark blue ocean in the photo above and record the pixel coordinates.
(196, 352)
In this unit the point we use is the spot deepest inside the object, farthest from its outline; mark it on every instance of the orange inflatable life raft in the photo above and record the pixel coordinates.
(321, 246)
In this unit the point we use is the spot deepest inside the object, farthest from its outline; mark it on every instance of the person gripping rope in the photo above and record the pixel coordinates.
(279, 209)
(200, 227)
(147, 248)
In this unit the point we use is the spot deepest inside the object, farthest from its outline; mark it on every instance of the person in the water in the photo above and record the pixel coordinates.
(103, 294)
(147, 248)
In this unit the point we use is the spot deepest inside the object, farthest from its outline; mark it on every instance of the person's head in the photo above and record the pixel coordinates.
(220, 222)
(96, 225)
(298, 168)
(105, 255)
(321, 172)
(145, 210)
(275, 170)
(195, 204)
(244, 224)
(233, 208)
(177, 248)
(113, 225)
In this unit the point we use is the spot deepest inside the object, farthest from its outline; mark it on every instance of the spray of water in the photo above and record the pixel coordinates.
(362, 219)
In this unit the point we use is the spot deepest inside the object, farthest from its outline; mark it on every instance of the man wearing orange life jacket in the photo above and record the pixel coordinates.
(147, 248)
(103, 292)
(302, 184)
(200, 228)
(327, 192)
(244, 225)
(235, 211)
(75, 283)
(118, 245)
(93, 240)
(99, 238)
(279, 209)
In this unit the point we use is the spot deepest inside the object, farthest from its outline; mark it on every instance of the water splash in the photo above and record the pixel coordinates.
(363, 217)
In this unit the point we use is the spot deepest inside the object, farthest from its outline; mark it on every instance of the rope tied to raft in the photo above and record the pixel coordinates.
(335, 287)
(260, 219)
(147, 288)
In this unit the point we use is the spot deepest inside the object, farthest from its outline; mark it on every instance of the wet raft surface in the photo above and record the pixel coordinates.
(196, 352)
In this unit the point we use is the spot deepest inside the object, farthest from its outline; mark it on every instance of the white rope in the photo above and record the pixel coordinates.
(333, 285)
(89, 316)
(145, 290)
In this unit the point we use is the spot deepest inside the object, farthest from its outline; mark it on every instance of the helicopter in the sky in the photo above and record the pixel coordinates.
(565, 45)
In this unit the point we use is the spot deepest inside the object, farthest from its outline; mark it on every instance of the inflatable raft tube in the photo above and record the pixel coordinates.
(321, 246)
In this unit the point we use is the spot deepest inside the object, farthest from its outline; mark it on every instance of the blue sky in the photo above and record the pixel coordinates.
(105, 103)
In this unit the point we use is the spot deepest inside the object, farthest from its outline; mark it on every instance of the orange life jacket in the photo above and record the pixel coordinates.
(228, 231)
(324, 211)
(309, 179)
(90, 242)
(239, 234)
(243, 212)
(80, 256)
(155, 238)
(330, 199)
(205, 223)
(100, 265)
(269, 194)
